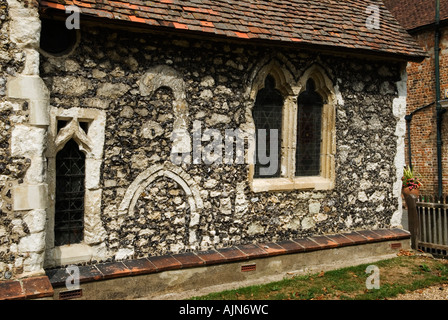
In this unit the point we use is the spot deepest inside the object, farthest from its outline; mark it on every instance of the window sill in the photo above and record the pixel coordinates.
(72, 254)
(286, 184)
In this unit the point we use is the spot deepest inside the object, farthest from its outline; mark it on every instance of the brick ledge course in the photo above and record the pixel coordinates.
(27, 288)
(39, 287)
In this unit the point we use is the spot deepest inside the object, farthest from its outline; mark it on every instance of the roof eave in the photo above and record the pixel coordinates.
(136, 26)
(426, 27)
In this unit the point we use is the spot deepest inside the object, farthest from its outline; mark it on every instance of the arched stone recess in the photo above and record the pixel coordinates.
(189, 187)
(165, 76)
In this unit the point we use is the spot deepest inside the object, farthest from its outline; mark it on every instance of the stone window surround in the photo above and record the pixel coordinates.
(291, 89)
(91, 143)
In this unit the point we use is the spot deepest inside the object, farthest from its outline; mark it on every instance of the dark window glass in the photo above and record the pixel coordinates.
(267, 114)
(309, 122)
(69, 207)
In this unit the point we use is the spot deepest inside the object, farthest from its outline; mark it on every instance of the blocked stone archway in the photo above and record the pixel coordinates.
(185, 182)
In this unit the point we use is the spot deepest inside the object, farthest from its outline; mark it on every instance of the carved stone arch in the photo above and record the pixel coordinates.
(162, 76)
(73, 131)
(284, 79)
(165, 76)
(324, 84)
(178, 175)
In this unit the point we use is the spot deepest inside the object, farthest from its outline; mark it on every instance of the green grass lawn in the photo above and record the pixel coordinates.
(404, 273)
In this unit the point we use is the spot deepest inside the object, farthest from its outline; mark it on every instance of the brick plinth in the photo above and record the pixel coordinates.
(103, 271)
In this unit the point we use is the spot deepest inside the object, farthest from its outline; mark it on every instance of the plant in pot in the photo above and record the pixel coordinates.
(410, 182)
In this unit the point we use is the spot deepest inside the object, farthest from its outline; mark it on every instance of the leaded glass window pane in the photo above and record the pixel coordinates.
(267, 114)
(309, 122)
(69, 207)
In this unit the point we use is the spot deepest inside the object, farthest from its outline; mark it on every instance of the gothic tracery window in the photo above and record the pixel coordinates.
(303, 113)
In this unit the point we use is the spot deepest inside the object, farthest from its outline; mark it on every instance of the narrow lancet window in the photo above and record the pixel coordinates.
(309, 136)
(267, 114)
(70, 190)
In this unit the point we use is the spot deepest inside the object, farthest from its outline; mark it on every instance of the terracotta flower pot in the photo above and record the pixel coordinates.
(406, 191)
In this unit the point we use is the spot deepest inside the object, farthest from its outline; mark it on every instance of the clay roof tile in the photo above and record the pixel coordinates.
(339, 24)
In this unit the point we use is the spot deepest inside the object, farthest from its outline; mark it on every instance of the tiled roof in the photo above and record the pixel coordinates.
(416, 13)
(328, 23)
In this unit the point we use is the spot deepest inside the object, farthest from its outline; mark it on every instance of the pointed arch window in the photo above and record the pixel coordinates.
(309, 134)
(75, 155)
(70, 191)
(267, 115)
(303, 112)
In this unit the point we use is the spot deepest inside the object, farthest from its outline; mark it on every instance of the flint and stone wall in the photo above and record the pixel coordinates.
(146, 86)
(106, 71)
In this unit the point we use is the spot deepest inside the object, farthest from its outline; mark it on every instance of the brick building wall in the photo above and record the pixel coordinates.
(421, 92)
